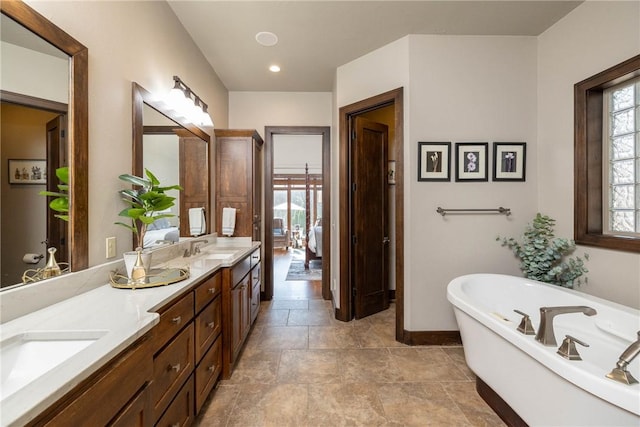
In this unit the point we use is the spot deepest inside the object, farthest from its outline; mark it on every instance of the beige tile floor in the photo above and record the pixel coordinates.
(301, 367)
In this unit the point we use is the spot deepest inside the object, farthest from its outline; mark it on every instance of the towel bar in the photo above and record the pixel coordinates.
(500, 210)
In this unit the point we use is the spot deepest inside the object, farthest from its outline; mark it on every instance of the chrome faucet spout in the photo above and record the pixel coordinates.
(194, 248)
(545, 333)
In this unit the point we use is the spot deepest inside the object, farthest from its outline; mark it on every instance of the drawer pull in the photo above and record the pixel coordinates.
(212, 290)
(211, 368)
(175, 425)
(176, 320)
(175, 367)
(211, 324)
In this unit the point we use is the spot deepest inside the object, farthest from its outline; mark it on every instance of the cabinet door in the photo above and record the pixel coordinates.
(240, 314)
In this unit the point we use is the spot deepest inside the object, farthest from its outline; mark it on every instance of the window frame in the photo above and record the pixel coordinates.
(588, 158)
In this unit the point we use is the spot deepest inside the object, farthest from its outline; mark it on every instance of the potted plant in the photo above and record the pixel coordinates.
(147, 200)
(541, 254)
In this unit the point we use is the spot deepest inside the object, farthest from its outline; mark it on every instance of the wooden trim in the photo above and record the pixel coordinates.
(269, 132)
(588, 185)
(78, 110)
(33, 102)
(396, 98)
(499, 406)
(432, 338)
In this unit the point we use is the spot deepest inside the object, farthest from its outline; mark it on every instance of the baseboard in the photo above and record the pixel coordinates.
(432, 337)
(499, 406)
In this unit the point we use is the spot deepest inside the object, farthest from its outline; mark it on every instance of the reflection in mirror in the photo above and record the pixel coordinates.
(177, 153)
(44, 85)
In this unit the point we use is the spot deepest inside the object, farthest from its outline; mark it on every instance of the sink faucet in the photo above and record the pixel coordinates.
(620, 373)
(545, 331)
(194, 248)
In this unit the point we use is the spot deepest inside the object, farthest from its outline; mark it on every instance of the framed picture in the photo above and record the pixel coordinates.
(509, 161)
(471, 161)
(434, 161)
(27, 171)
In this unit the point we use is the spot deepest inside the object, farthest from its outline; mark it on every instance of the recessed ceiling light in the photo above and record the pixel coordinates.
(266, 38)
(274, 69)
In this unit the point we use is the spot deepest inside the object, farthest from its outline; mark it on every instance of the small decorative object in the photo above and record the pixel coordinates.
(154, 277)
(541, 254)
(52, 269)
(509, 161)
(138, 272)
(434, 161)
(146, 201)
(471, 161)
(61, 201)
(27, 171)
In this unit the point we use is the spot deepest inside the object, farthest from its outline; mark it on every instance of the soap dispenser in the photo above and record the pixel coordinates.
(52, 268)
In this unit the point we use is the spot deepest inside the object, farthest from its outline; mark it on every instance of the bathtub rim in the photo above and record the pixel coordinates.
(623, 396)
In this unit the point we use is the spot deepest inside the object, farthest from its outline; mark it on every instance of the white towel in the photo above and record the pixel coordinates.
(197, 222)
(228, 221)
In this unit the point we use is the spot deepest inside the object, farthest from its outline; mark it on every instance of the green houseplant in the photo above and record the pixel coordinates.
(146, 200)
(61, 201)
(542, 254)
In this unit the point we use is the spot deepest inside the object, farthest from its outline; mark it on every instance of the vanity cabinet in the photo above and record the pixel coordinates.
(238, 307)
(239, 180)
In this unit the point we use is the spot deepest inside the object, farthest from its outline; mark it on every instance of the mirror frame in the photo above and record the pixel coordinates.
(141, 96)
(78, 127)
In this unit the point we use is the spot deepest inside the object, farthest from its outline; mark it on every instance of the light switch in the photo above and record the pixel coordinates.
(111, 247)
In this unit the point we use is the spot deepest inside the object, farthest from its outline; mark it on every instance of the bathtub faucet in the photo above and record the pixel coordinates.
(545, 331)
(620, 373)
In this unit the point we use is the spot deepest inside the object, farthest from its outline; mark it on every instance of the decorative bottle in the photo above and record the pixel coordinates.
(52, 268)
(138, 273)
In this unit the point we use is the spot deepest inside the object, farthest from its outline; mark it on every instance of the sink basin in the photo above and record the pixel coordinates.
(27, 356)
(219, 255)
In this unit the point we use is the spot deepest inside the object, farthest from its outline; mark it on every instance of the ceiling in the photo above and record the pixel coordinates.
(316, 37)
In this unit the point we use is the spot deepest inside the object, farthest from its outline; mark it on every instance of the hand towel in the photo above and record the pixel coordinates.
(197, 222)
(228, 221)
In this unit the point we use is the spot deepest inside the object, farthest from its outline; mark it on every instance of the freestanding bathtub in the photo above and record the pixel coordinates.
(542, 387)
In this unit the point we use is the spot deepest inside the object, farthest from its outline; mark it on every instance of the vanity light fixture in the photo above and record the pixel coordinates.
(185, 102)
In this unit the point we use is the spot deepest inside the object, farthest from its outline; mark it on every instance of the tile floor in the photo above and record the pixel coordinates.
(301, 367)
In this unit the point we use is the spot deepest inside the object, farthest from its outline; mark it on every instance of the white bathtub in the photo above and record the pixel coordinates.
(543, 388)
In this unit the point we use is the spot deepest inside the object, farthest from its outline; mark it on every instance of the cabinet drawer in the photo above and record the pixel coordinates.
(255, 258)
(240, 270)
(137, 413)
(104, 395)
(180, 412)
(171, 367)
(208, 372)
(208, 327)
(173, 320)
(207, 291)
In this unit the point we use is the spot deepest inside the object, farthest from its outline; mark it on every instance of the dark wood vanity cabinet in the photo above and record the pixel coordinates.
(240, 304)
(239, 180)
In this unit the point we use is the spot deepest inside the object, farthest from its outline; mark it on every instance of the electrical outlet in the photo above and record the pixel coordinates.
(111, 247)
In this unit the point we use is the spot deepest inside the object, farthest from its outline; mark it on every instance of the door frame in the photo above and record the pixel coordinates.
(346, 113)
(269, 133)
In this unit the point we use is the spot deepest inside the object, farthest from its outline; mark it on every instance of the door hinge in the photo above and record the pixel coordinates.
(353, 187)
(62, 133)
(354, 239)
(353, 291)
(353, 135)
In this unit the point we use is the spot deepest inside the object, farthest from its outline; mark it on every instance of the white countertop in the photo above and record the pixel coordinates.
(125, 315)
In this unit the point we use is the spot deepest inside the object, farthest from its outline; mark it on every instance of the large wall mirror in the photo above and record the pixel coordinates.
(44, 127)
(177, 153)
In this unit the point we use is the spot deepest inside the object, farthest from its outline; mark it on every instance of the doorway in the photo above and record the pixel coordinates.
(297, 203)
(368, 108)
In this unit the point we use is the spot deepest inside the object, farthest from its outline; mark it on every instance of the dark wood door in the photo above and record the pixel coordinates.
(56, 158)
(369, 218)
(194, 178)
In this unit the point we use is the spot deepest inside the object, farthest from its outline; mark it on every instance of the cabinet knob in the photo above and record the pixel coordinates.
(212, 290)
(175, 425)
(211, 368)
(175, 367)
(176, 320)
(211, 324)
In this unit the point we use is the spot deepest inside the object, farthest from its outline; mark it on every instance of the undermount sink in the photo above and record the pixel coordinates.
(28, 355)
(219, 255)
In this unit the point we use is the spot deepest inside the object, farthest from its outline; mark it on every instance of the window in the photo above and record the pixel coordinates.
(607, 174)
(622, 169)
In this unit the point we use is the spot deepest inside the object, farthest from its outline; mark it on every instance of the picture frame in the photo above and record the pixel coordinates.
(434, 161)
(509, 161)
(27, 171)
(472, 161)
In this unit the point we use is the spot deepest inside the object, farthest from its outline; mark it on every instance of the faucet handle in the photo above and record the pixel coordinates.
(525, 324)
(568, 348)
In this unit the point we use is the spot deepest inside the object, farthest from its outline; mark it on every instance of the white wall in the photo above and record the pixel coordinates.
(292, 152)
(130, 41)
(592, 38)
(255, 110)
